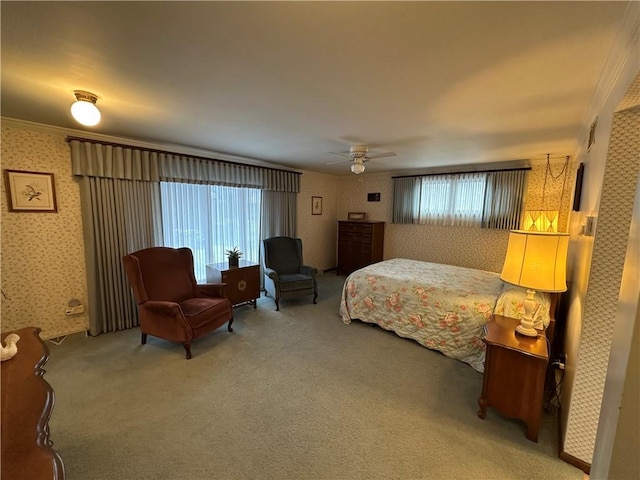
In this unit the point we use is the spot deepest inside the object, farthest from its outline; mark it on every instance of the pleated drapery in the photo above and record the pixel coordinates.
(277, 206)
(121, 211)
(504, 199)
(405, 201)
(490, 199)
(118, 217)
(94, 159)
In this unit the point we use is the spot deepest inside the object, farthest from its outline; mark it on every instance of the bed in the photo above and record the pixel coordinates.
(442, 307)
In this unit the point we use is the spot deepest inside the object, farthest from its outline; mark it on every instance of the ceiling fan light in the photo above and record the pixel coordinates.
(357, 168)
(84, 110)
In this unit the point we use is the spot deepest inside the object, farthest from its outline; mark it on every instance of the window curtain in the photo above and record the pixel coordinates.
(121, 211)
(490, 199)
(278, 214)
(504, 199)
(118, 217)
(451, 199)
(405, 199)
(277, 219)
(211, 219)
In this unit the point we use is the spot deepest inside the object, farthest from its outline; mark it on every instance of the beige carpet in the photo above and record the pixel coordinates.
(294, 394)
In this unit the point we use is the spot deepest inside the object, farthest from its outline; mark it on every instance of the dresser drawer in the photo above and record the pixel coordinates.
(356, 228)
(360, 243)
(355, 237)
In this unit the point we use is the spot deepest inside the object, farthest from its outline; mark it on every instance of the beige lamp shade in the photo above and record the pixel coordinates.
(537, 260)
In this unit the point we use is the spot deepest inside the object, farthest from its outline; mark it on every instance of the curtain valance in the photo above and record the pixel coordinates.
(96, 159)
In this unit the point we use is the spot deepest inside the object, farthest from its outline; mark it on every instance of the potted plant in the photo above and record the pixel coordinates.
(234, 257)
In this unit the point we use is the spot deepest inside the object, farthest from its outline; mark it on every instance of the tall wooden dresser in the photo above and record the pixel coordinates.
(360, 243)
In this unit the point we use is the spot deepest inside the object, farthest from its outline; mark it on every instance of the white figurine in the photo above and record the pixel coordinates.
(11, 348)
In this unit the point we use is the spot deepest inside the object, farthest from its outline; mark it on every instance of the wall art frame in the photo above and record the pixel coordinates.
(356, 215)
(30, 191)
(316, 205)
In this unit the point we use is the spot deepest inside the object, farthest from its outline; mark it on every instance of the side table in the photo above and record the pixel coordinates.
(514, 373)
(243, 281)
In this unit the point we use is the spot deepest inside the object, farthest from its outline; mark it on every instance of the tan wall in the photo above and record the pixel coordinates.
(42, 253)
(318, 232)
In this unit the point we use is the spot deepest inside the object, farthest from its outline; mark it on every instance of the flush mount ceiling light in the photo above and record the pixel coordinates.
(84, 109)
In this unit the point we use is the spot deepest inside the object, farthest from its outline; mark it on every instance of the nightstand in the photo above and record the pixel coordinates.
(243, 281)
(514, 373)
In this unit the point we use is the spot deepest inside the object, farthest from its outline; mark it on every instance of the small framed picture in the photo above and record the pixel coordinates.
(356, 216)
(316, 205)
(592, 134)
(30, 191)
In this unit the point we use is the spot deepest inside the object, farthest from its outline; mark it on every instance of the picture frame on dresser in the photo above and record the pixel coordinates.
(316, 205)
(356, 215)
(30, 191)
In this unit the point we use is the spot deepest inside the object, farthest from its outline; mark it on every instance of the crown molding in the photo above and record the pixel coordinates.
(196, 152)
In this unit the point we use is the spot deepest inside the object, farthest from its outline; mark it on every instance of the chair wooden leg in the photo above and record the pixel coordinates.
(187, 347)
(277, 304)
(143, 339)
(229, 327)
(315, 297)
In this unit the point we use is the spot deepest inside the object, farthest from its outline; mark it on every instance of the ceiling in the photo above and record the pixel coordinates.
(439, 83)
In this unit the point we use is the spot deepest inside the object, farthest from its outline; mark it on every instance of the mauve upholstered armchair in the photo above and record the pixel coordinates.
(170, 303)
(285, 275)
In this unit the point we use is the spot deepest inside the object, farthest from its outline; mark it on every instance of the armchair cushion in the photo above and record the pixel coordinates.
(200, 311)
(295, 281)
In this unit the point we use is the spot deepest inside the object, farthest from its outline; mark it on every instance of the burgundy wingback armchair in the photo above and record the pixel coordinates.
(170, 303)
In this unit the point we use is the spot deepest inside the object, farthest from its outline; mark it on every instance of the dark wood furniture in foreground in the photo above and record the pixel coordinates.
(27, 403)
(514, 373)
(243, 282)
(360, 243)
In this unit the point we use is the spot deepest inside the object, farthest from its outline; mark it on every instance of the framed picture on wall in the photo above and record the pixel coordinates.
(30, 191)
(316, 205)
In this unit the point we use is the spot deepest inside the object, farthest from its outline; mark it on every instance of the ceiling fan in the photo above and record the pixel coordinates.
(358, 154)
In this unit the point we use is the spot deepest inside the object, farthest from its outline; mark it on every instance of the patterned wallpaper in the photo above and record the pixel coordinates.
(555, 196)
(46, 250)
(42, 260)
(318, 232)
(470, 247)
(610, 244)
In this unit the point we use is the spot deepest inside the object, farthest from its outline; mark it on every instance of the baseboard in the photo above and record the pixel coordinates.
(65, 333)
(564, 456)
(332, 269)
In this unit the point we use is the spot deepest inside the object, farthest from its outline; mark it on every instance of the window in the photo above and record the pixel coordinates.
(211, 219)
(451, 199)
(486, 199)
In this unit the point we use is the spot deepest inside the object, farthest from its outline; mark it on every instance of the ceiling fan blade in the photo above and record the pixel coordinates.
(337, 161)
(341, 154)
(382, 155)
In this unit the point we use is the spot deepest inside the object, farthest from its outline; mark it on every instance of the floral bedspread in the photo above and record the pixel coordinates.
(442, 307)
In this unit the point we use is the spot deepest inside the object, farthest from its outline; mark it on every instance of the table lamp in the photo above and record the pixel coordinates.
(536, 261)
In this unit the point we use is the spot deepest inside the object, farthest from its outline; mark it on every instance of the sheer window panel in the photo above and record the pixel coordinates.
(452, 199)
(211, 219)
